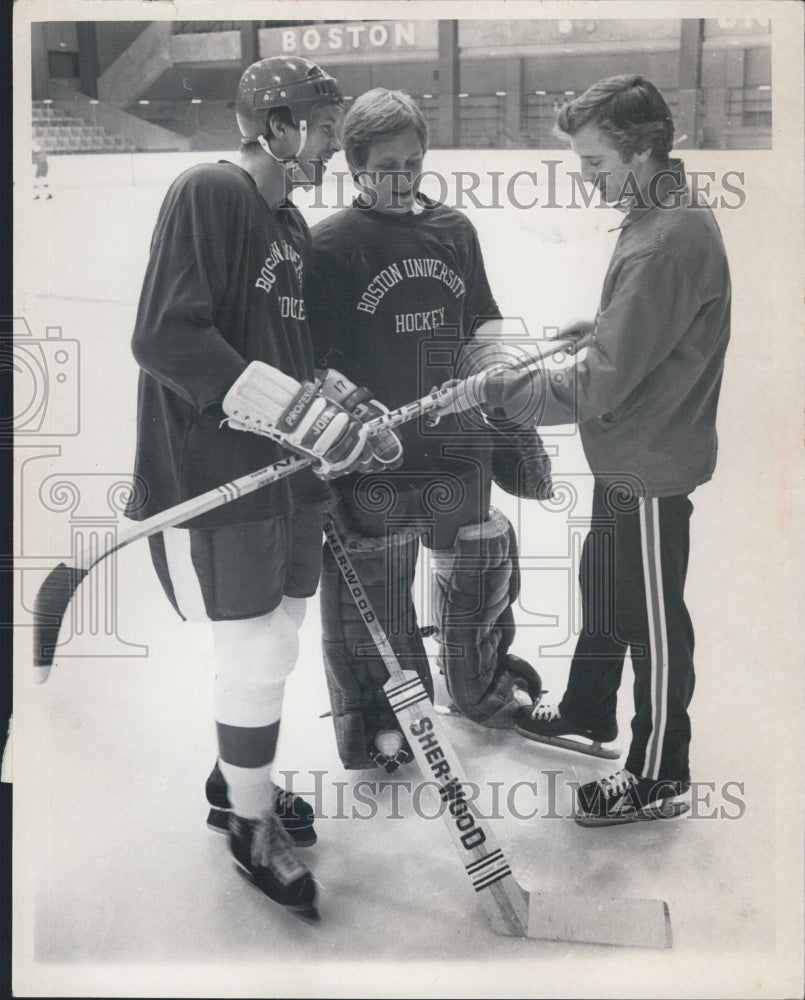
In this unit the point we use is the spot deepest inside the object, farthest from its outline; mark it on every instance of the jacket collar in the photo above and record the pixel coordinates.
(666, 189)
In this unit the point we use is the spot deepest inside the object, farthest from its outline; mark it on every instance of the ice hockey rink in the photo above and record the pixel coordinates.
(120, 889)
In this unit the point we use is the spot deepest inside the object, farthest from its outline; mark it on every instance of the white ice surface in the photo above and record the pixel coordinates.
(119, 887)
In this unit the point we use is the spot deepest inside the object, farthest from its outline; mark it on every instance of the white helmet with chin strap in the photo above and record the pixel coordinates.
(282, 82)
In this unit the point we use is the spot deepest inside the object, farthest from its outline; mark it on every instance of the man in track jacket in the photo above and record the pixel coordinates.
(644, 392)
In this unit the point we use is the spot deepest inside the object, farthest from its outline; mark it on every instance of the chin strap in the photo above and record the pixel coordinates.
(297, 173)
(302, 137)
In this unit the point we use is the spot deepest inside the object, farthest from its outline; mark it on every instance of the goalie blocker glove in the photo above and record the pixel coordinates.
(384, 449)
(266, 401)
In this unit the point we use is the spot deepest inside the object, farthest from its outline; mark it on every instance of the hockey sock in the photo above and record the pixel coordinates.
(250, 788)
(254, 657)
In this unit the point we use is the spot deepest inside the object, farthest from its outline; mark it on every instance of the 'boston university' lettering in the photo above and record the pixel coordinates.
(430, 267)
(378, 286)
(410, 267)
(278, 252)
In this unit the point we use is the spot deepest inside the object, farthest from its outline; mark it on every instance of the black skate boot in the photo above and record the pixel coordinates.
(296, 814)
(262, 849)
(543, 724)
(625, 798)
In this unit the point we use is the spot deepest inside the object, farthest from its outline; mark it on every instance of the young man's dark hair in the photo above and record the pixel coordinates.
(629, 110)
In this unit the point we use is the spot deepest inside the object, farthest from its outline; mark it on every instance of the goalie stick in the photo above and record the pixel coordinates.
(57, 590)
(511, 910)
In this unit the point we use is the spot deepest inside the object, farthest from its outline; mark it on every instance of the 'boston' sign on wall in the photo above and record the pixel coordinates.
(353, 37)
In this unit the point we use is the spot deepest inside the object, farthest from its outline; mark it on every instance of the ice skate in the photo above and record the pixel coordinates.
(262, 850)
(625, 798)
(543, 724)
(295, 814)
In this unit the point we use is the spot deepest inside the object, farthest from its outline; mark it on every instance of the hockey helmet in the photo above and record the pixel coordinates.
(282, 82)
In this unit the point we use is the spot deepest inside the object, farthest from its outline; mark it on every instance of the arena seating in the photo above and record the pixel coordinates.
(58, 130)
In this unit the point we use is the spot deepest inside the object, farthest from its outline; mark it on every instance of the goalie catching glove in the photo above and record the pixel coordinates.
(266, 401)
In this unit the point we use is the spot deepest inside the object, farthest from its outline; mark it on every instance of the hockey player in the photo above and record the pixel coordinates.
(644, 395)
(39, 159)
(222, 339)
(396, 290)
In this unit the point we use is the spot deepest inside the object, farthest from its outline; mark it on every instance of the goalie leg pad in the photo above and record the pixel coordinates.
(474, 586)
(354, 668)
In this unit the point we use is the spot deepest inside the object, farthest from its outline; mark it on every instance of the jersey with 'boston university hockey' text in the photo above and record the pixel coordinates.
(223, 287)
(392, 298)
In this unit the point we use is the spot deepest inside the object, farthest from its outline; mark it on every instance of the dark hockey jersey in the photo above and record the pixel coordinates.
(223, 287)
(391, 301)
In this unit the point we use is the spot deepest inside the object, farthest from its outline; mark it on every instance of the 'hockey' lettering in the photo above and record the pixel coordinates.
(292, 308)
(416, 322)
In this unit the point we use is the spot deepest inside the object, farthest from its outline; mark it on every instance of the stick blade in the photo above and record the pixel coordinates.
(50, 605)
(637, 923)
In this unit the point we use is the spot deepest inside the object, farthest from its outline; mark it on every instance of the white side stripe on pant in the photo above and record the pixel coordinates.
(186, 588)
(658, 632)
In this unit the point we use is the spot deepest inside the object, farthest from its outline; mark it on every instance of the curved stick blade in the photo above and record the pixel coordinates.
(51, 603)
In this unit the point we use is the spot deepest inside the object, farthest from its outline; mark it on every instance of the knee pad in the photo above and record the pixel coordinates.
(254, 656)
(354, 668)
(474, 586)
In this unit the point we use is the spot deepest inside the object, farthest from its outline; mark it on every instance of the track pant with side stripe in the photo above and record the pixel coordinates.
(632, 578)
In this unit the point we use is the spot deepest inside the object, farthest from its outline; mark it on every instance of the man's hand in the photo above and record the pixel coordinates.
(518, 397)
(581, 332)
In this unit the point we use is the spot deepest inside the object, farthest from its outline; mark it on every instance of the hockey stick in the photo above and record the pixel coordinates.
(57, 590)
(511, 909)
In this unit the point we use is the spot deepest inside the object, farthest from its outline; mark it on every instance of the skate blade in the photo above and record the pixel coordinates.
(447, 709)
(668, 810)
(305, 912)
(593, 749)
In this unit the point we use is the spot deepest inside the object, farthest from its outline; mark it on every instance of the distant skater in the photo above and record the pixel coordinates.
(39, 159)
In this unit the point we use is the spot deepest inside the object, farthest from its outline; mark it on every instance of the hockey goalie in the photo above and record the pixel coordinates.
(397, 299)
